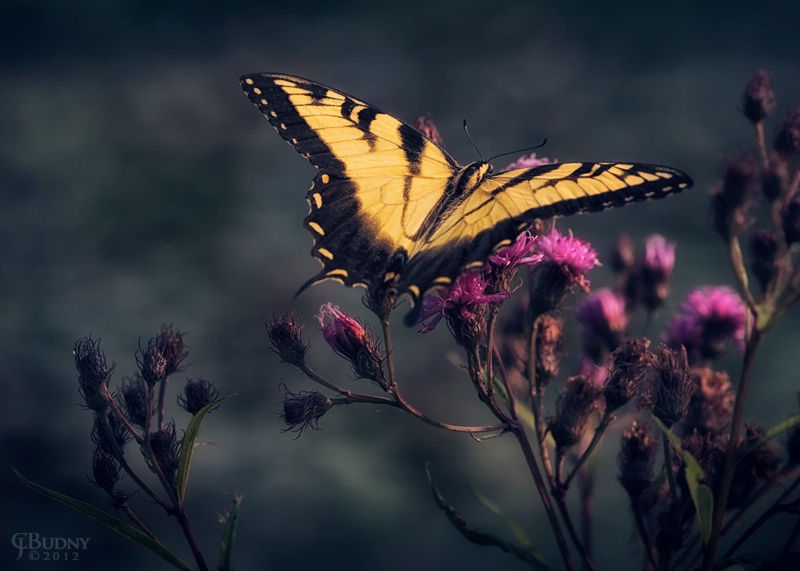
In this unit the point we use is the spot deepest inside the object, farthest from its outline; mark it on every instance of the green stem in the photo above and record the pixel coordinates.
(598, 434)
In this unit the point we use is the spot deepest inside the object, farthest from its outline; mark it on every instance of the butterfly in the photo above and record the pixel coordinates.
(389, 207)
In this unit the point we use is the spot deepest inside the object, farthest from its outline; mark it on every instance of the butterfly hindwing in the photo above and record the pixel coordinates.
(390, 206)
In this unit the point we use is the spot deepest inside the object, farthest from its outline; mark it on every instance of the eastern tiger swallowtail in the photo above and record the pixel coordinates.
(389, 206)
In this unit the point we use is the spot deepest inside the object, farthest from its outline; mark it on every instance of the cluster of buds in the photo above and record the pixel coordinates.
(135, 411)
(756, 202)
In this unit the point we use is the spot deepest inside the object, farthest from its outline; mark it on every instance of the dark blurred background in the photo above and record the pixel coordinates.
(140, 187)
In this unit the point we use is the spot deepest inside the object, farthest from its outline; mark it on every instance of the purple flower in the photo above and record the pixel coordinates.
(574, 256)
(656, 269)
(526, 162)
(659, 255)
(564, 263)
(705, 322)
(517, 254)
(459, 300)
(603, 322)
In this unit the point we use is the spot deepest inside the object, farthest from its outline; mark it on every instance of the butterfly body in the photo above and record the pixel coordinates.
(390, 207)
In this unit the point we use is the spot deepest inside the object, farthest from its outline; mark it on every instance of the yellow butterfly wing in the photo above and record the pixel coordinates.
(379, 178)
(389, 206)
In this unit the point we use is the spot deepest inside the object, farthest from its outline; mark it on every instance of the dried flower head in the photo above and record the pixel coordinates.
(758, 99)
(711, 405)
(636, 459)
(671, 385)
(629, 365)
(549, 349)
(353, 342)
(304, 409)
(286, 336)
(603, 322)
(196, 395)
(94, 374)
(573, 408)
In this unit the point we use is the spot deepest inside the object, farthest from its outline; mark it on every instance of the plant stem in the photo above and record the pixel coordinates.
(751, 349)
(533, 466)
(183, 520)
(598, 434)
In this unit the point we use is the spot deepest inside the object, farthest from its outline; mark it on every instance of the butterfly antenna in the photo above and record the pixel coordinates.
(473, 142)
(519, 151)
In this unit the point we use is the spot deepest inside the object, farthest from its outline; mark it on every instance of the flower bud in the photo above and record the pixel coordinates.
(166, 451)
(304, 409)
(197, 394)
(162, 357)
(135, 396)
(351, 341)
(100, 436)
(790, 218)
(758, 99)
(94, 374)
(763, 256)
(623, 257)
(656, 270)
(286, 336)
(787, 140)
(105, 470)
(603, 322)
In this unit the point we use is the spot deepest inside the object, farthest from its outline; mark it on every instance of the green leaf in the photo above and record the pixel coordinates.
(189, 443)
(229, 533)
(482, 537)
(702, 496)
(779, 428)
(121, 527)
(513, 526)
